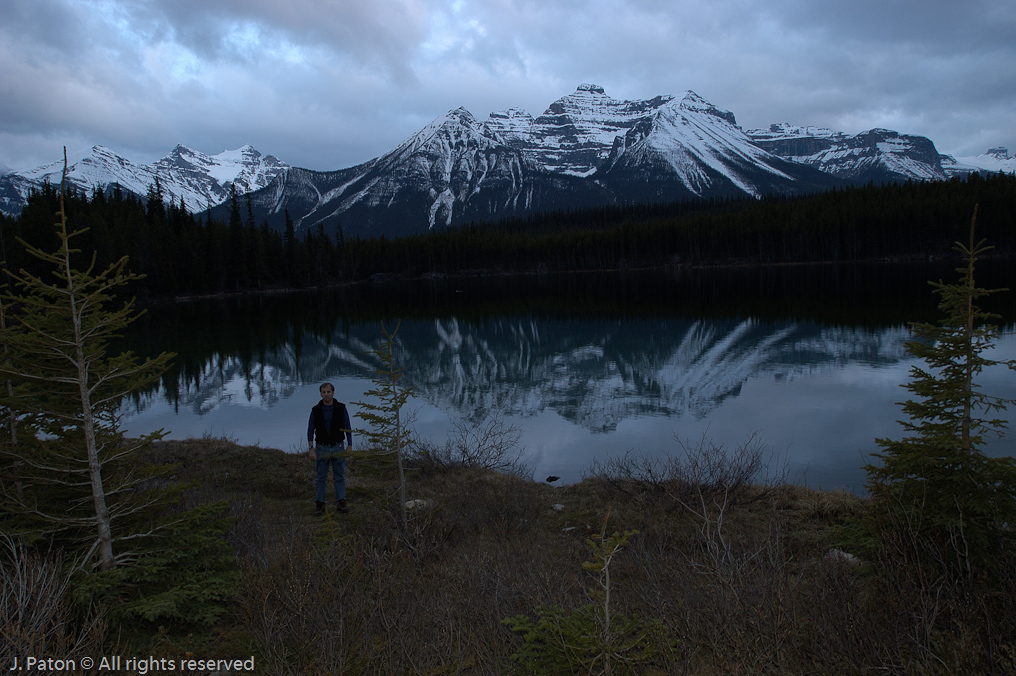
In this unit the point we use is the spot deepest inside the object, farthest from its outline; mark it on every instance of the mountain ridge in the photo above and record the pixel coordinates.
(459, 169)
(199, 180)
(586, 149)
(878, 155)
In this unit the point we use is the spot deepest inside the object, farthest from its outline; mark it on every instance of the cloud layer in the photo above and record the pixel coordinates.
(326, 84)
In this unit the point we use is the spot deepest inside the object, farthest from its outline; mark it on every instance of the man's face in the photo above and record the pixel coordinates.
(327, 393)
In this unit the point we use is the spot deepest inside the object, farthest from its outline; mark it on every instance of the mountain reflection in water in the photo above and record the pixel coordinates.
(580, 384)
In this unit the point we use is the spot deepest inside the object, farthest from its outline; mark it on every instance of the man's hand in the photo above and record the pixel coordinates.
(313, 455)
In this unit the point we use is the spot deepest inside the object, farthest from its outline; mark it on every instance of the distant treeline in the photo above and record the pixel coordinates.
(183, 253)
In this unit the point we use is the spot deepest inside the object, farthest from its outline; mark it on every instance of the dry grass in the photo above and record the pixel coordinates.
(742, 582)
(36, 616)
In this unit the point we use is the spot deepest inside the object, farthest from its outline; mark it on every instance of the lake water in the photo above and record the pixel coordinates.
(810, 358)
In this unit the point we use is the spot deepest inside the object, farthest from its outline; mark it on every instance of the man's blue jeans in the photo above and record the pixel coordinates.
(338, 467)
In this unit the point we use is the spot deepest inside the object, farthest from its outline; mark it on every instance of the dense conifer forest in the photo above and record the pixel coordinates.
(181, 253)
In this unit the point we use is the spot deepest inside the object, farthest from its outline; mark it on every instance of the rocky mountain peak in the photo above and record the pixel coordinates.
(458, 125)
(999, 153)
(459, 117)
(574, 134)
(180, 155)
(694, 102)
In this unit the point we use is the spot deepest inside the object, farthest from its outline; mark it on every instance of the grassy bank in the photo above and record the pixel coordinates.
(742, 580)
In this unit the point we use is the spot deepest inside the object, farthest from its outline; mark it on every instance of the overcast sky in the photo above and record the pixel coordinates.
(326, 84)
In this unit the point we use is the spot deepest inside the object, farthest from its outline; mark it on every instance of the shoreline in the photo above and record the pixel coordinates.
(493, 273)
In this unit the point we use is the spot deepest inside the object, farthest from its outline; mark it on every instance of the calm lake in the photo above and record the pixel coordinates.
(811, 358)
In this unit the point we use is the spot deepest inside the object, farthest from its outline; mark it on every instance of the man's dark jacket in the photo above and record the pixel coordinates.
(338, 428)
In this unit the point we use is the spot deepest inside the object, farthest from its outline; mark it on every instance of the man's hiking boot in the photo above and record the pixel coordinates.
(319, 508)
(341, 508)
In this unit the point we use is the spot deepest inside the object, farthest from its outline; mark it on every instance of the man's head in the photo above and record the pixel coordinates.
(327, 393)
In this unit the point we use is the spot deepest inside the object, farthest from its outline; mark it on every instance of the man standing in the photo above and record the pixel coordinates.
(329, 422)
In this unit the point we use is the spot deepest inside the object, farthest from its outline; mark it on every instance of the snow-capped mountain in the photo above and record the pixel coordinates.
(576, 133)
(995, 160)
(454, 170)
(198, 179)
(878, 155)
(189, 171)
(586, 149)
(691, 148)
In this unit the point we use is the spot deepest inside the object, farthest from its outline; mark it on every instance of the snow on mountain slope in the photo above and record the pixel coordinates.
(586, 149)
(576, 132)
(692, 137)
(100, 167)
(452, 158)
(878, 155)
(700, 148)
(435, 173)
(188, 171)
(994, 160)
(453, 170)
(513, 124)
(199, 180)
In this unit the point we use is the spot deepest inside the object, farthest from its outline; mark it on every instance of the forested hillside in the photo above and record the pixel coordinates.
(182, 253)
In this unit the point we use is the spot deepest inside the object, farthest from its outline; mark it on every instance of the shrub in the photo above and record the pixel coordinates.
(593, 638)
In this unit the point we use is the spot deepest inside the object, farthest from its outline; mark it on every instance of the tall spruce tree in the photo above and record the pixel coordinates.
(70, 480)
(68, 475)
(936, 481)
(389, 433)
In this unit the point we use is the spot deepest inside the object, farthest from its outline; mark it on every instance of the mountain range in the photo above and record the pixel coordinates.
(586, 149)
(200, 181)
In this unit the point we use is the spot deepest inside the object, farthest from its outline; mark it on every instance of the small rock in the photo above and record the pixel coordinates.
(558, 507)
(419, 504)
(840, 555)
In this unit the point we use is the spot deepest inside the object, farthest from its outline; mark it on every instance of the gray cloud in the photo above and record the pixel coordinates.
(329, 83)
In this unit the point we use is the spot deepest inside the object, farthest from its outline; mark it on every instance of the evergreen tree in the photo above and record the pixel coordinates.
(237, 253)
(9, 415)
(68, 390)
(936, 480)
(290, 250)
(156, 198)
(389, 434)
(594, 638)
(70, 479)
